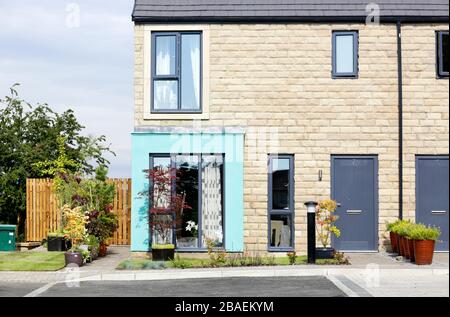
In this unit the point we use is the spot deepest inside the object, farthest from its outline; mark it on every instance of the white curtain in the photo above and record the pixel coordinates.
(195, 60)
(163, 58)
(212, 200)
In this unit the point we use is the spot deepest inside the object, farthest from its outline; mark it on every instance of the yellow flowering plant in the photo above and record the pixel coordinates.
(74, 225)
(325, 220)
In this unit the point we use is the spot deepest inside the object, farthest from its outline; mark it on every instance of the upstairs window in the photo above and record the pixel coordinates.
(442, 54)
(345, 54)
(176, 72)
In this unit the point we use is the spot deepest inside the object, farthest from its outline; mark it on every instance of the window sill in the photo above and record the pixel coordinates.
(344, 77)
(176, 116)
(281, 250)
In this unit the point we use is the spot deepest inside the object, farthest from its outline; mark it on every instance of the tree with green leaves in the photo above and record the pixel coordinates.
(37, 142)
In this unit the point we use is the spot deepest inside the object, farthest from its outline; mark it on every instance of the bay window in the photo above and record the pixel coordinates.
(199, 185)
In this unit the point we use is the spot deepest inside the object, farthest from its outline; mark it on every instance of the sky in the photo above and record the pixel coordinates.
(74, 55)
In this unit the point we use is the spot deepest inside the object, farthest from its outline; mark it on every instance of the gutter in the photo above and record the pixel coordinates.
(400, 119)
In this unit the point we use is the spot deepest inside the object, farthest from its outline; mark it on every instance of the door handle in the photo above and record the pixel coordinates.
(354, 212)
(338, 204)
(438, 212)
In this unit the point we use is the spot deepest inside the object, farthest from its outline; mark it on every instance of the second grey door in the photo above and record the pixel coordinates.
(432, 195)
(355, 188)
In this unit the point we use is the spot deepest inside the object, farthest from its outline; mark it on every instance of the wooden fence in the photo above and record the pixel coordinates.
(44, 212)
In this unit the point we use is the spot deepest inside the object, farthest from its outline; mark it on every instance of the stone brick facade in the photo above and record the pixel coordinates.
(275, 80)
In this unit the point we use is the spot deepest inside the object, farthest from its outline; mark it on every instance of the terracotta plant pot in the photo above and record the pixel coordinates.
(405, 248)
(394, 242)
(424, 250)
(74, 258)
(411, 252)
(401, 250)
(102, 250)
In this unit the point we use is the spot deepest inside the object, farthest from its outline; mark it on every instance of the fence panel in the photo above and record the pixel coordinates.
(44, 212)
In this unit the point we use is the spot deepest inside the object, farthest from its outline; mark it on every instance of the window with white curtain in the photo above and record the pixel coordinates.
(176, 74)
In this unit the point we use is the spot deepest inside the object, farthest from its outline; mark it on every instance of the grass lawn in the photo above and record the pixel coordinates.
(185, 263)
(31, 261)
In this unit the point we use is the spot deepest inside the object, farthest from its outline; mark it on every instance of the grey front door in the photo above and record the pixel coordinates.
(354, 185)
(432, 195)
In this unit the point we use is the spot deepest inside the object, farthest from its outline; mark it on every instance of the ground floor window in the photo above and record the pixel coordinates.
(281, 202)
(199, 182)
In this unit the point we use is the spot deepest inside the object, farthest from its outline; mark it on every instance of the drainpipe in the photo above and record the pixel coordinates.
(400, 119)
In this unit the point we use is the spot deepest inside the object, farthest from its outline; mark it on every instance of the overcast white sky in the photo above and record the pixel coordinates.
(83, 62)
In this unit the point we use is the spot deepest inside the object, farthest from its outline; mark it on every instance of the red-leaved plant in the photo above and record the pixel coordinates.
(164, 203)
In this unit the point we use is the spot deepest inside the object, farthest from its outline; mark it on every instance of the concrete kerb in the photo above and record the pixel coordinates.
(215, 273)
(265, 272)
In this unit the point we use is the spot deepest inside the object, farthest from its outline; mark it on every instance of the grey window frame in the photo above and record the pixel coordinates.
(178, 70)
(355, 73)
(276, 212)
(200, 247)
(440, 55)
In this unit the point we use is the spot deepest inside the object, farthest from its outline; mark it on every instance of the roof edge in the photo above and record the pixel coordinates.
(293, 19)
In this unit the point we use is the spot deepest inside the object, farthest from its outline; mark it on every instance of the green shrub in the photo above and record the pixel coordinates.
(163, 246)
(255, 260)
(128, 265)
(391, 226)
(233, 260)
(421, 232)
(402, 227)
(292, 258)
(217, 256)
(271, 261)
(180, 263)
(56, 234)
(92, 241)
(340, 258)
(153, 265)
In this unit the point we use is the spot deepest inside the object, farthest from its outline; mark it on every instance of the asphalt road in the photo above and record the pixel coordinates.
(223, 287)
(10, 289)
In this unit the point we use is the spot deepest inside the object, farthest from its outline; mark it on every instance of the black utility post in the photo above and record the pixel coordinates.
(311, 209)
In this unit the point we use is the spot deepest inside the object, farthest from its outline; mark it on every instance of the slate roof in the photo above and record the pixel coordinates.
(286, 10)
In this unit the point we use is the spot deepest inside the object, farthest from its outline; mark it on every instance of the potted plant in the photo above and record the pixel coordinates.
(401, 229)
(162, 223)
(75, 230)
(325, 220)
(57, 242)
(94, 195)
(409, 242)
(102, 225)
(395, 230)
(94, 246)
(393, 235)
(164, 206)
(424, 239)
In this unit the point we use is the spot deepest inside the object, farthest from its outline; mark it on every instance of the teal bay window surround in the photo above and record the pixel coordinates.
(193, 151)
